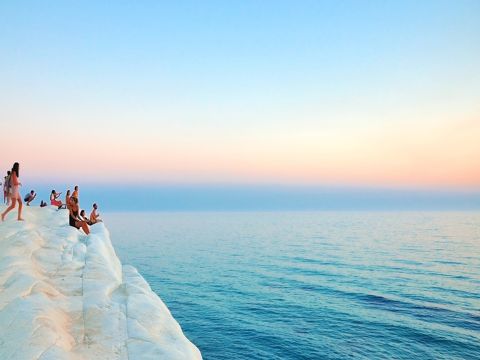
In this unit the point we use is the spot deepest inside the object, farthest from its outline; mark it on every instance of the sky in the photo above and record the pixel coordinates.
(243, 95)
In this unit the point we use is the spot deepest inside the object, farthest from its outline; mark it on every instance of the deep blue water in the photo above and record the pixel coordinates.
(313, 285)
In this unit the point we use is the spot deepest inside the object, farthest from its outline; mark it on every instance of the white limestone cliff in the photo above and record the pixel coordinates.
(65, 295)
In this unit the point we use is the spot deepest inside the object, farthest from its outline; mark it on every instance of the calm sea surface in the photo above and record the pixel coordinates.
(313, 285)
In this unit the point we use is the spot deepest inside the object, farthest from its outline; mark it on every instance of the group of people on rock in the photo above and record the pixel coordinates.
(8, 189)
(77, 218)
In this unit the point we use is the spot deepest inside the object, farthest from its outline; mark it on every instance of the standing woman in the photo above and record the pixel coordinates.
(15, 193)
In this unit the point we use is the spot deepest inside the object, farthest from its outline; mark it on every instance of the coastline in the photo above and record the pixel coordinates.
(65, 295)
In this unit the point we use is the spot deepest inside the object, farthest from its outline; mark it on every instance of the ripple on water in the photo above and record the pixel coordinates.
(314, 285)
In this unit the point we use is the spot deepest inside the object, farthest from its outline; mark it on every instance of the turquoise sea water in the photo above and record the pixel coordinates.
(313, 285)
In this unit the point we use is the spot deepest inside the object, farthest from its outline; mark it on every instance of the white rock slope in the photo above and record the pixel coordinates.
(65, 295)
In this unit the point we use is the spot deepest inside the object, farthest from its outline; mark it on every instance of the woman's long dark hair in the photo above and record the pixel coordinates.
(16, 168)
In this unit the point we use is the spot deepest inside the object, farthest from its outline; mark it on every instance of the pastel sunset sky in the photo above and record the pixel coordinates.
(349, 93)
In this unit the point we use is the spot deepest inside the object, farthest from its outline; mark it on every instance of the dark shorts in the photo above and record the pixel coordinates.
(73, 222)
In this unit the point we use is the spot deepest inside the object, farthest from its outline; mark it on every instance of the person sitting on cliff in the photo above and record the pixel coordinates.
(54, 199)
(84, 217)
(94, 216)
(74, 218)
(30, 197)
(75, 192)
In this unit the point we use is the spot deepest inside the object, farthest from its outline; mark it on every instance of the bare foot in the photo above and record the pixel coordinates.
(21, 219)
(3, 217)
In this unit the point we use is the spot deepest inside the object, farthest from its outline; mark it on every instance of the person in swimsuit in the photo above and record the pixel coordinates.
(74, 219)
(75, 192)
(84, 217)
(54, 199)
(15, 193)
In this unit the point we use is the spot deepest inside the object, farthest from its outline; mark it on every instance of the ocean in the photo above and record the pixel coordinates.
(313, 285)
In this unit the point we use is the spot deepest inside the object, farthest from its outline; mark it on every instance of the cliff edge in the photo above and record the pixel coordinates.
(65, 295)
